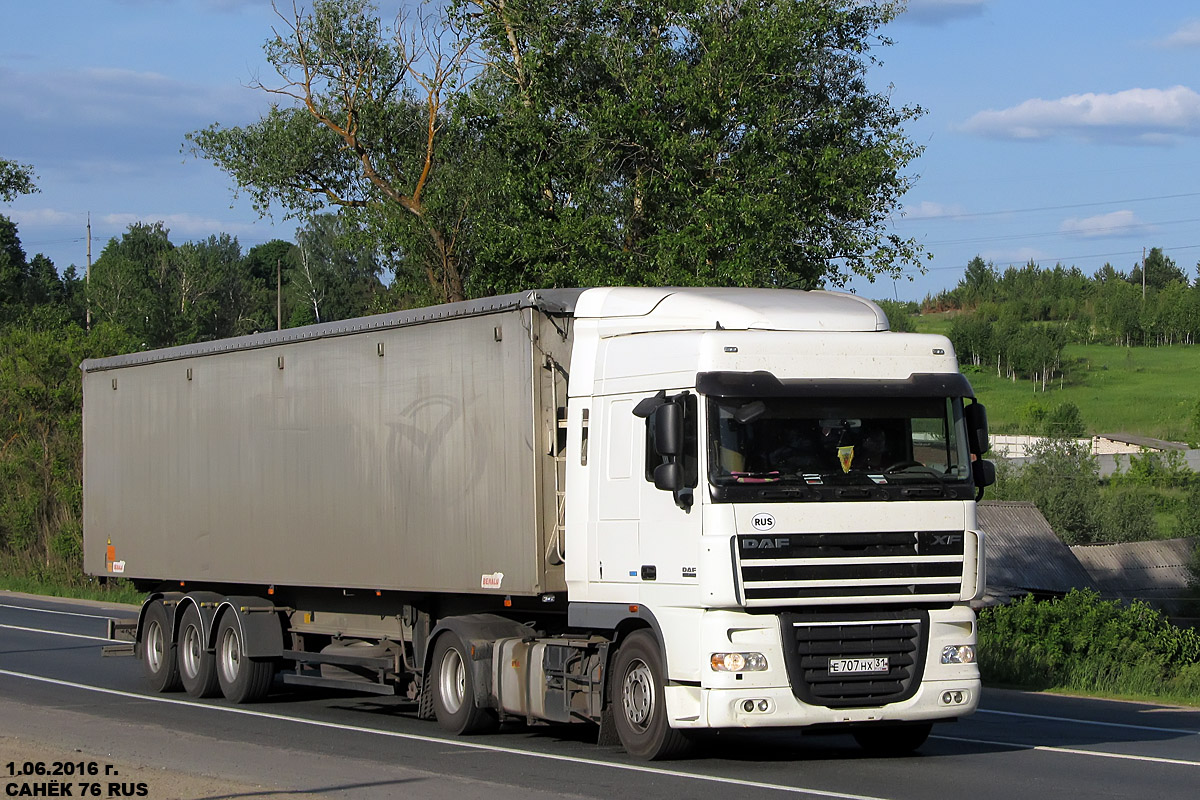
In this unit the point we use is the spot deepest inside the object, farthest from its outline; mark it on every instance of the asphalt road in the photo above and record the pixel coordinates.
(60, 698)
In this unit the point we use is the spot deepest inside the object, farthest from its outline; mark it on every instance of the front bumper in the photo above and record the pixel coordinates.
(767, 699)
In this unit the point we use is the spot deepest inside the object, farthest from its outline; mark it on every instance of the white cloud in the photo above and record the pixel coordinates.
(1186, 35)
(107, 97)
(940, 12)
(1113, 224)
(927, 209)
(44, 217)
(1134, 116)
(182, 226)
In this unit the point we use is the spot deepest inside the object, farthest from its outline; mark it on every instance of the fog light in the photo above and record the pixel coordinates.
(748, 706)
(955, 698)
(738, 662)
(762, 705)
(958, 654)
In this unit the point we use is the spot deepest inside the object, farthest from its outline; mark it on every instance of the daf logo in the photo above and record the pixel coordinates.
(763, 522)
(765, 544)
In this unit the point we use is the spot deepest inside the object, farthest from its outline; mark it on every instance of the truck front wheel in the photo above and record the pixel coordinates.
(197, 667)
(242, 679)
(453, 689)
(156, 650)
(639, 707)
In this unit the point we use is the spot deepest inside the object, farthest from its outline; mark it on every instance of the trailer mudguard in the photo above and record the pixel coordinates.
(258, 622)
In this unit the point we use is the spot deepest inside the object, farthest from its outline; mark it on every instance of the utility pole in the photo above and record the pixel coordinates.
(87, 277)
(1143, 274)
(278, 296)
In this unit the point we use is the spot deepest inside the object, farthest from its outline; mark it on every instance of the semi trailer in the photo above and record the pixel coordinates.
(654, 510)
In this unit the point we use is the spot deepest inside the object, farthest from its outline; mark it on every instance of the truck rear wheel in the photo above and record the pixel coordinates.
(156, 650)
(893, 740)
(242, 679)
(197, 667)
(453, 689)
(640, 711)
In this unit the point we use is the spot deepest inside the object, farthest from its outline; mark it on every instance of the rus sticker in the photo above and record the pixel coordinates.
(492, 581)
(118, 567)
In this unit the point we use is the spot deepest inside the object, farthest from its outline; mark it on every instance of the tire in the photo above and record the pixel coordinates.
(197, 667)
(454, 691)
(893, 740)
(639, 705)
(242, 679)
(156, 649)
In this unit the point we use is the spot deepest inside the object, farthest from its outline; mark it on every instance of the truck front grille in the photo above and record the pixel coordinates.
(833, 568)
(812, 640)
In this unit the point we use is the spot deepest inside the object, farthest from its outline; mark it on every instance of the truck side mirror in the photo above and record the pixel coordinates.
(977, 428)
(668, 429)
(668, 477)
(984, 472)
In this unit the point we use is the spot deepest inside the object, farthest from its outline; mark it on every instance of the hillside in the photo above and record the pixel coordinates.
(1150, 391)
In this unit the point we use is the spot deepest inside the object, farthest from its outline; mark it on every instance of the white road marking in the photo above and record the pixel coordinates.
(62, 633)
(593, 762)
(110, 611)
(1090, 722)
(1073, 751)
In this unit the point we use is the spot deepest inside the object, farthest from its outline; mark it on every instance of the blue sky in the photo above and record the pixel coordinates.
(1063, 131)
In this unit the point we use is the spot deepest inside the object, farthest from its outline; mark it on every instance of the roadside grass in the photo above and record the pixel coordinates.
(58, 581)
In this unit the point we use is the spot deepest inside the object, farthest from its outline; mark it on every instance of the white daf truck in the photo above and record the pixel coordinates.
(655, 510)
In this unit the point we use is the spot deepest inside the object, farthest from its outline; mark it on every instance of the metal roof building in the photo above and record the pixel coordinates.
(1024, 556)
(1156, 572)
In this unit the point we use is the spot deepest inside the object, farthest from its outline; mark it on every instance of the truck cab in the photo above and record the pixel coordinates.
(784, 493)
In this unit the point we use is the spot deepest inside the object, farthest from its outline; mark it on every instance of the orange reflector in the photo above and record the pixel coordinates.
(271, 590)
(633, 609)
(508, 602)
(378, 593)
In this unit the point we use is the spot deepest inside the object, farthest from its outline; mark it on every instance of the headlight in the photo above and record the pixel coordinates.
(958, 654)
(738, 662)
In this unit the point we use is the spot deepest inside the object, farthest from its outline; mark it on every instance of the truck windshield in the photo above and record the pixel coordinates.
(888, 448)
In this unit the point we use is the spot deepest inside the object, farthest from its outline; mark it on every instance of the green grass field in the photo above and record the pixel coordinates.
(1150, 391)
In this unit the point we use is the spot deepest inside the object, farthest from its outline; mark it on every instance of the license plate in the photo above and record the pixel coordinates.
(839, 666)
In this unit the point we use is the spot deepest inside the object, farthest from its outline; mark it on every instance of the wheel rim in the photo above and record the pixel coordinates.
(189, 657)
(155, 649)
(637, 695)
(452, 681)
(231, 655)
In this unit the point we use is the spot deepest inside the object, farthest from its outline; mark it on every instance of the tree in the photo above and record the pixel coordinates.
(15, 179)
(1062, 479)
(593, 142)
(333, 278)
(364, 133)
(122, 288)
(12, 267)
(682, 142)
(1160, 270)
(262, 273)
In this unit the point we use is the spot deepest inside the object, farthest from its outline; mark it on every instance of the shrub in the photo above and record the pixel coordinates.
(1083, 643)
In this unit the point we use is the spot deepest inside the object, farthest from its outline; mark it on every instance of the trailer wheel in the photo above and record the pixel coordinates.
(242, 679)
(156, 650)
(640, 712)
(893, 740)
(454, 691)
(197, 667)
